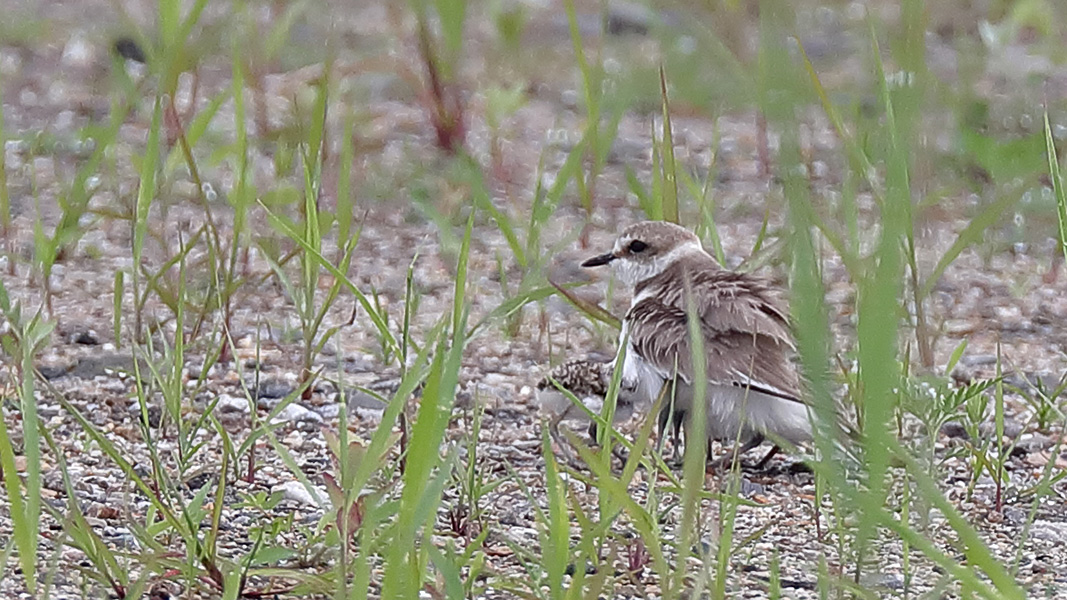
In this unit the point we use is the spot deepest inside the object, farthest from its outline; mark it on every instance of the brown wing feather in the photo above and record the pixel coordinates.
(747, 338)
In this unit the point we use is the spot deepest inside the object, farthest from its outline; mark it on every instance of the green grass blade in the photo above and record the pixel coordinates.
(591, 310)
(452, 15)
(24, 536)
(670, 181)
(379, 321)
(859, 159)
(877, 335)
(402, 577)
(460, 291)
(972, 234)
(1057, 185)
(556, 539)
(5, 193)
(345, 202)
(118, 290)
(510, 307)
(695, 459)
(146, 191)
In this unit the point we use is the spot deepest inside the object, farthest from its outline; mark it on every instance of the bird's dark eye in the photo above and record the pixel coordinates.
(638, 246)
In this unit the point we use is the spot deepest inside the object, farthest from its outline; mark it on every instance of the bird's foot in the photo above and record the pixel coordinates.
(724, 463)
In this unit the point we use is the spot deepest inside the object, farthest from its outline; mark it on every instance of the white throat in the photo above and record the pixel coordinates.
(632, 272)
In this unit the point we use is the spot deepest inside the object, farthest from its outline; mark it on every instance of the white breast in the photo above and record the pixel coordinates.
(641, 379)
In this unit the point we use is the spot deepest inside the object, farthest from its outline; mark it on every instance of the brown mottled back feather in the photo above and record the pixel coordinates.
(747, 338)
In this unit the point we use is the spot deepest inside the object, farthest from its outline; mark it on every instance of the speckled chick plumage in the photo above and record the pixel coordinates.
(587, 380)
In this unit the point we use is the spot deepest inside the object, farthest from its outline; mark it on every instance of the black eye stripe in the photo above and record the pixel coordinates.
(638, 246)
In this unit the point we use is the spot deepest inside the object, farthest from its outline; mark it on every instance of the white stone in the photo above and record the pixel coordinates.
(228, 403)
(294, 490)
(295, 413)
(78, 52)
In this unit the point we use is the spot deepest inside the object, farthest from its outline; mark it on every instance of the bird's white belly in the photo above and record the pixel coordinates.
(732, 412)
(739, 413)
(732, 409)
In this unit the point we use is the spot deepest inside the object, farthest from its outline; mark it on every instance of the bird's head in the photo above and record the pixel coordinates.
(646, 249)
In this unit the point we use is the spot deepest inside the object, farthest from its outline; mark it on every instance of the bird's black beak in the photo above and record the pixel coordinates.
(597, 261)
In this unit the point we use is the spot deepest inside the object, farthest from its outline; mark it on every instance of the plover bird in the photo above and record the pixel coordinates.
(753, 389)
(588, 381)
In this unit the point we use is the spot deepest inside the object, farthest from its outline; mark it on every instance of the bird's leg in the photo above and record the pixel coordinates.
(617, 450)
(751, 443)
(679, 421)
(670, 423)
(662, 427)
(557, 437)
(553, 431)
(766, 459)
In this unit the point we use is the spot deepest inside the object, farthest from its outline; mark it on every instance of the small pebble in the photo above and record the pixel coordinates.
(295, 491)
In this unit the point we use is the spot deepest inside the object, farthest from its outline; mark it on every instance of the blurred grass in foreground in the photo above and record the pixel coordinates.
(387, 521)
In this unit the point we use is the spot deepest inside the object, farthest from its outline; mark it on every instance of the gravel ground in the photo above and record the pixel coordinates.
(1007, 295)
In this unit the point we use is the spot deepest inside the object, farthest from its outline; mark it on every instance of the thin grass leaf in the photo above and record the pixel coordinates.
(211, 542)
(24, 537)
(22, 340)
(116, 307)
(402, 576)
(695, 458)
(654, 211)
(669, 201)
(860, 162)
(707, 227)
(169, 18)
(199, 126)
(809, 311)
(242, 196)
(592, 86)
(5, 193)
(503, 223)
(379, 321)
(957, 354)
(383, 437)
(145, 194)
(640, 519)
(762, 235)
(556, 538)
(972, 234)
(449, 569)
(877, 335)
(452, 15)
(571, 169)
(541, 210)
(644, 201)
(1057, 184)
(510, 307)
(345, 202)
(591, 310)
(460, 291)
(977, 553)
